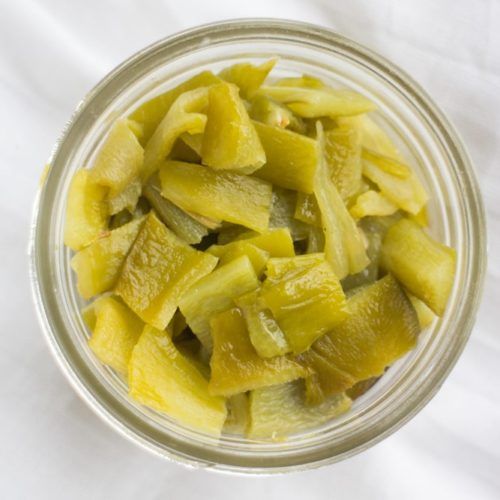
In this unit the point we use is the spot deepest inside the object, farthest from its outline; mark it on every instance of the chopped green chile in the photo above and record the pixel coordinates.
(230, 141)
(424, 266)
(314, 103)
(247, 77)
(184, 116)
(253, 251)
(344, 246)
(214, 293)
(229, 196)
(152, 112)
(290, 158)
(182, 224)
(236, 366)
(283, 213)
(264, 332)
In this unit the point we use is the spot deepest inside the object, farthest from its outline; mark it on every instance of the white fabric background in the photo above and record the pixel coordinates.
(51, 445)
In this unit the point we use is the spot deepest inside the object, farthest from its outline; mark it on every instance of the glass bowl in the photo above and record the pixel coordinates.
(419, 129)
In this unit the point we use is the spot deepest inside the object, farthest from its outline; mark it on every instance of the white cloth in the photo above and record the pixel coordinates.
(51, 445)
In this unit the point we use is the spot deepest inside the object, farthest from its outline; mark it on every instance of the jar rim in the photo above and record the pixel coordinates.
(44, 286)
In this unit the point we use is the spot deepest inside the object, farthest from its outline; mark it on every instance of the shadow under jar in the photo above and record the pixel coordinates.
(418, 128)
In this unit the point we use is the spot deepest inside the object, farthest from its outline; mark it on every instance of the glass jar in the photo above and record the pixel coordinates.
(419, 129)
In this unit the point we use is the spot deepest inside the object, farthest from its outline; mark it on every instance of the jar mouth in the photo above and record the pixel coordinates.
(428, 138)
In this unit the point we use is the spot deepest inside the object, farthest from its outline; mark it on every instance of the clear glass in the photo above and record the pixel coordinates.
(415, 123)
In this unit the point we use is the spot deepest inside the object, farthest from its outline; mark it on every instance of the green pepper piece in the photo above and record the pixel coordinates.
(256, 255)
(283, 211)
(276, 242)
(184, 116)
(381, 327)
(264, 332)
(424, 266)
(265, 110)
(306, 303)
(315, 240)
(344, 246)
(115, 333)
(314, 103)
(119, 161)
(160, 377)
(230, 141)
(220, 195)
(86, 211)
(307, 210)
(215, 293)
(182, 224)
(237, 415)
(278, 411)
(247, 77)
(325, 380)
(152, 112)
(158, 270)
(343, 156)
(236, 366)
(405, 192)
(290, 158)
(372, 203)
(98, 265)
(127, 199)
(277, 268)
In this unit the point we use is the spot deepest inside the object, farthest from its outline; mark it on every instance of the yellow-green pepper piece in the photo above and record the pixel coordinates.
(314, 103)
(237, 414)
(277, 268)
(86, 211)
(181, 223)
(306, 304)
(273, 113)
(343, 155)
(119, 160)
(276, 242)
(98, 265)
(382, 326)
(236, 366)
(277, 412)
(372, 136)
(372, 203)
(290, 158)
(230, 141)
(183, 152)
(283, 211)
(184, 116)
(127, 199)
(357, 390)
(256, 255)
(373, 231)
(158, 270)
(151, 113)
(344, 246)
(305, 80)
(115, 333)
(423, 265)
(424, 313)
(264, 332)
(215, 293)
(160, 377)
(247, 77)
(315, 240)
(307, 210)
(405, 192)
(325, 380)
(220, 195)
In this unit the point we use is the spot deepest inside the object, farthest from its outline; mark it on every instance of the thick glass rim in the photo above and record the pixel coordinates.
(188, 448)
